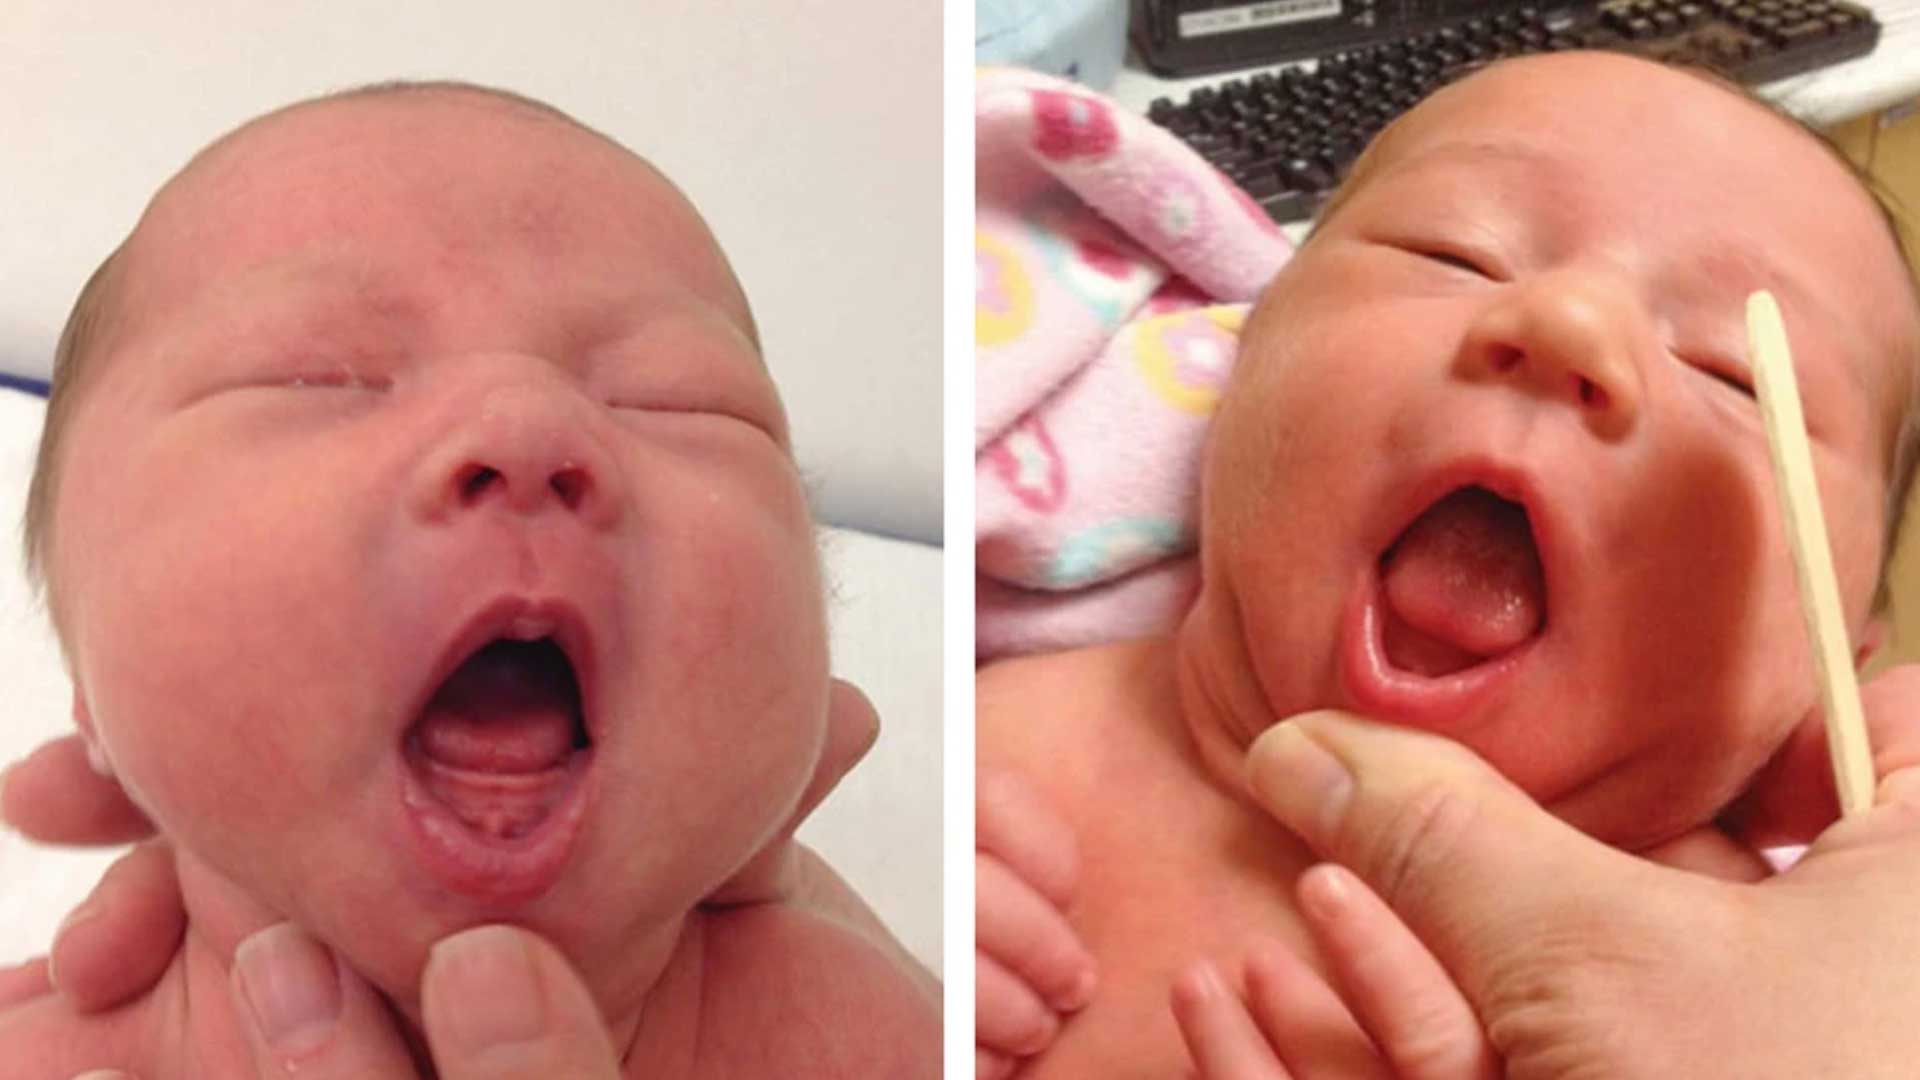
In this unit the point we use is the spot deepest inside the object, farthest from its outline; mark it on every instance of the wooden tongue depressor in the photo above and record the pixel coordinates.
(1812, 560)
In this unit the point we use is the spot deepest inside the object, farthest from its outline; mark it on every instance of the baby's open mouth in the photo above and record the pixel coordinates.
(497, 743)
(1461, 586)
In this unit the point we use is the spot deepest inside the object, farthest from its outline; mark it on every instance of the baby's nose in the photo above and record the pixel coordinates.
(527, 450)
(1567, 341)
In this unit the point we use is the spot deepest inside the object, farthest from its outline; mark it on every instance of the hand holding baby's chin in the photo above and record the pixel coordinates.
(1633, 947)
(498, 1002)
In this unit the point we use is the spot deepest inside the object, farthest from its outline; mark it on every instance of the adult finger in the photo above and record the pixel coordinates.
(1313, 1030)
(118, 942)
(1793, 798)
(1398, 990)
(1476, 869)
(307, 1015)
(24, 981)
(853, 725)
(988, 1065)
(53, 796)
(1712, 853)
(1219, 1034)
(1024, 931)
(501, 1003)
(40, 1037)
(1007, 1015)
(1018, 826)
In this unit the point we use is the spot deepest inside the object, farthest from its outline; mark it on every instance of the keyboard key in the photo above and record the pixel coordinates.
(1287, 135)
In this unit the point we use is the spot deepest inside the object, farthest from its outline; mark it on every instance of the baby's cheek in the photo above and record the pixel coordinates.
(738, 639)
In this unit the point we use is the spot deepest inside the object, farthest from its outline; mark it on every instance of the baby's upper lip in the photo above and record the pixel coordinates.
(518, 617)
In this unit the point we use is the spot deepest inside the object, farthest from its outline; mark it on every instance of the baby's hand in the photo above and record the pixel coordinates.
(1030, 966)
(1395, 1012)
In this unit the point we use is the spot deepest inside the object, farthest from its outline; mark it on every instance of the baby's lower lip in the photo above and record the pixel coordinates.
(497, 867)
(1381, 689)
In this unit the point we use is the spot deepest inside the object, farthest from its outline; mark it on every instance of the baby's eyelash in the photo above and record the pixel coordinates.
(1727, 374)
(1450, 257)
(340, 380)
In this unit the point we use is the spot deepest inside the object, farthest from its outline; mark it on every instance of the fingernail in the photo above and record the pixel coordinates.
(1204, 982)
(488, 982)
(1326, 892)
(88, 911)
(1298, 780)
(1075, 997)
(291, 987)
(85, 913)
(104, 1074)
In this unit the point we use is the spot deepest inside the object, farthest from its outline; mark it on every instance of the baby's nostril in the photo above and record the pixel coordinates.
(570, 483)
(474, 480)
(1505, 358)
(1590, 393)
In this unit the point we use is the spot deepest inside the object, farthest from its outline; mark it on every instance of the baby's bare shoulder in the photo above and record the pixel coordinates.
(790, 990)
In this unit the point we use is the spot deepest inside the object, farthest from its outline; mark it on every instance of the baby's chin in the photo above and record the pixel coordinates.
(616, 921)
(602, 927)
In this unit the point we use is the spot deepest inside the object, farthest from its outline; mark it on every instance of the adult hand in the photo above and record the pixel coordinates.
(498, 1002)
(1582, 960)
(118, 941)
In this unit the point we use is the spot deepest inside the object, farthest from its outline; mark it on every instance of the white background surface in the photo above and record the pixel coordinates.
(807, 131)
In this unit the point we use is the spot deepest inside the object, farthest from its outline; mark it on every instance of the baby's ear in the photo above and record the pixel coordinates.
(96, 751)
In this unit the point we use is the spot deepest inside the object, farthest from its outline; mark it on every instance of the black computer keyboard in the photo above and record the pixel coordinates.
(1286, 137)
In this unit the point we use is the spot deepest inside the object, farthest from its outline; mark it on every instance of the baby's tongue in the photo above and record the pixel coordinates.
(1462, 584)
(497, 734)
(509, 709)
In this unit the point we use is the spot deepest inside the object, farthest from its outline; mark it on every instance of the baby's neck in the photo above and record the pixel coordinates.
(648, 995)
(1220, 704)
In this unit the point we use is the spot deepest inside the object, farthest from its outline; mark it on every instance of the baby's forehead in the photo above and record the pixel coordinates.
(424, 185)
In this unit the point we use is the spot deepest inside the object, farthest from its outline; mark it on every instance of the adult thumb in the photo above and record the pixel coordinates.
(501, 1003)
(308, 1014)
(1476, 868)
(852, 727)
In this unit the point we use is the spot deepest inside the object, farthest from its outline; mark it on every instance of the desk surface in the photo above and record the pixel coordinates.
(1887, 76)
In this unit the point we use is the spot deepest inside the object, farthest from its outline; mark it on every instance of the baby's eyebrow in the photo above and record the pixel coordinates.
(1464, 153)
(296, 299)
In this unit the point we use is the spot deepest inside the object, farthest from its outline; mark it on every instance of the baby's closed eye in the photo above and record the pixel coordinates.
(1730, 373)
(1453, 256)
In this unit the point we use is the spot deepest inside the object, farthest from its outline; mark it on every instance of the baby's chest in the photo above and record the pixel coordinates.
(1172, 871)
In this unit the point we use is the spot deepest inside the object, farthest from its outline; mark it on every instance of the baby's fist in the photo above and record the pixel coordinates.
(1030, 966)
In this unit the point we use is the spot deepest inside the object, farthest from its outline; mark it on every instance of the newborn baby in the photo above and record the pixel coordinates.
(419, 522)
(1491, 466)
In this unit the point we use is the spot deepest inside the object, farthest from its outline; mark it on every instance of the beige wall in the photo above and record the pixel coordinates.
(1887, 144)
